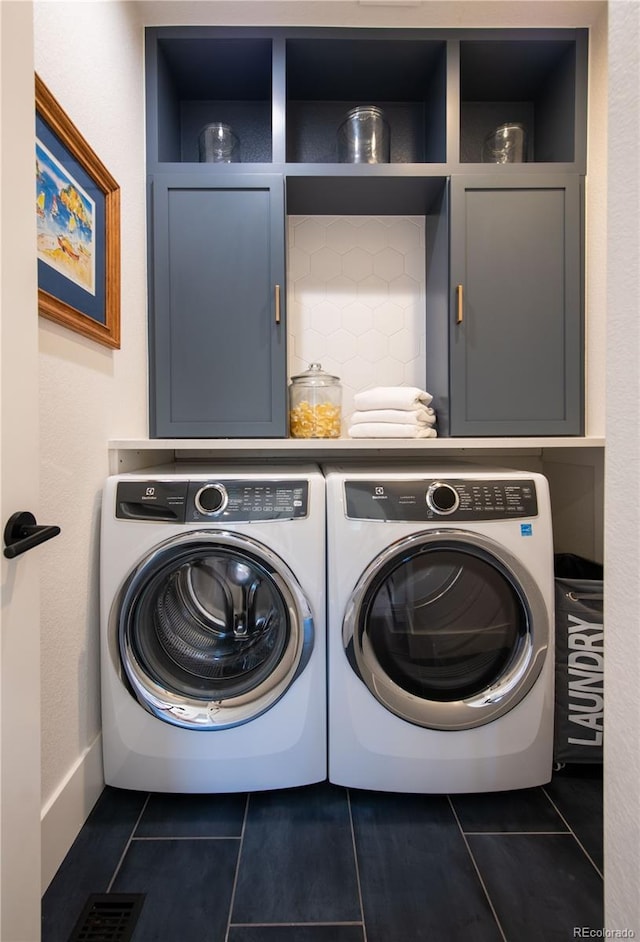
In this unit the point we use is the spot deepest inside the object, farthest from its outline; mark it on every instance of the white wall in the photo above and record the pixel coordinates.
(90, 57)
(622, 504)
(89, 394)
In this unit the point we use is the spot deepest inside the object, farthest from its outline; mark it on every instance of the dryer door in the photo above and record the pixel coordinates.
(210, 630)
(447, 630)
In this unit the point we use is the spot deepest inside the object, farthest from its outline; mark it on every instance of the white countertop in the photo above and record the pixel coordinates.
(131, 454)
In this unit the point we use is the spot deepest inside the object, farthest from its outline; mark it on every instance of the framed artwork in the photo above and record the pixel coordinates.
(78, 227)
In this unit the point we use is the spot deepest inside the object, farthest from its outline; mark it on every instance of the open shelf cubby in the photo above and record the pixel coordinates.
(201, 80)
(404, 77)
(528, 81)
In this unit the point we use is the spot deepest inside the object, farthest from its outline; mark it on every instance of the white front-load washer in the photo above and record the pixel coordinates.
(440, 628)
(213, 649)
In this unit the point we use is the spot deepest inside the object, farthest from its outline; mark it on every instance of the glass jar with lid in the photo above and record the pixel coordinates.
(363, 136)
(218, 144)
(315, 400)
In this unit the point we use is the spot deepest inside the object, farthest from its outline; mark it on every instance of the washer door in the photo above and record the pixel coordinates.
(210, 630)
(447, 630)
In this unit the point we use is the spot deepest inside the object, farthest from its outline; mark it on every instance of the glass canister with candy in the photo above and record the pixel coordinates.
(315, 404)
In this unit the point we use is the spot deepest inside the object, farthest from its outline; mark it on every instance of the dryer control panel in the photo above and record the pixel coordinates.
(213, 501)
(436, 499)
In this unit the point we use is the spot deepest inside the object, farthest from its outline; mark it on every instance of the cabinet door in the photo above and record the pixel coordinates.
(516, 328)
(217, 323)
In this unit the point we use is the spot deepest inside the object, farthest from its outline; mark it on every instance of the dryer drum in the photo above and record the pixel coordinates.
(446, 629)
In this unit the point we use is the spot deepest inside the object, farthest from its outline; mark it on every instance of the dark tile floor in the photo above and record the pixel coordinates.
(327, 864)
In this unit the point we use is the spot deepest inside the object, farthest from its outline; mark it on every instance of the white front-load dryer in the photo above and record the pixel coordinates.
(213, 649)
(440, 628)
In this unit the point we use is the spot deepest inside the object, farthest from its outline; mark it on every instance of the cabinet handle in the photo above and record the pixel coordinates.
(277, 304)
(459, 304)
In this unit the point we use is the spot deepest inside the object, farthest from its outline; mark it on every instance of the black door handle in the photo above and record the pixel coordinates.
(22, 533)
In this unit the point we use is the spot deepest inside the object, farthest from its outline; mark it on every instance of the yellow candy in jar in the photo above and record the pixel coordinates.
(322, 420)
(314, 404)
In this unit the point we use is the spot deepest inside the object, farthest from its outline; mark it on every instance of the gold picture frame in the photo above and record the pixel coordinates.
(78, 218)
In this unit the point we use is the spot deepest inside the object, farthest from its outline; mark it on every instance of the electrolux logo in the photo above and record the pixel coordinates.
(378, 493)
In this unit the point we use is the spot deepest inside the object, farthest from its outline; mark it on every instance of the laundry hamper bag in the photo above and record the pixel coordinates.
(579, 697)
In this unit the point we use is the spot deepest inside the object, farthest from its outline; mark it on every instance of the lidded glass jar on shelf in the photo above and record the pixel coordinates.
(363, 136)
(217, 143)
(315, 400)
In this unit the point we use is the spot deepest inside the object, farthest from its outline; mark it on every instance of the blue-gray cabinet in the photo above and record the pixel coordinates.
(515, 330)
(504, 295)
(217, 307)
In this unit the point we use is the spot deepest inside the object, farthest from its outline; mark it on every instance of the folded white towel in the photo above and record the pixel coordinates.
(391, 430)
(392, 397)
(421, 416)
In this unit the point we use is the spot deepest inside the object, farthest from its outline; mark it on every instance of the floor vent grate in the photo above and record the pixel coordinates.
(108, 917)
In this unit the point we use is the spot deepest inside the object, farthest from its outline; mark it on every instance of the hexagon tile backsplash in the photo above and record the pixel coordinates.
(356, 300)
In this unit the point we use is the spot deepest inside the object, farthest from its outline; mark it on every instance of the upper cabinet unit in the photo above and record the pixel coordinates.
(481, 132)
(285, 93)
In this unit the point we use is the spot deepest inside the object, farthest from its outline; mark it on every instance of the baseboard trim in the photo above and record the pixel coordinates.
(67, 810)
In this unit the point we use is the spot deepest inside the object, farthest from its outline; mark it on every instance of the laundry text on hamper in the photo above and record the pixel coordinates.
(586, 676)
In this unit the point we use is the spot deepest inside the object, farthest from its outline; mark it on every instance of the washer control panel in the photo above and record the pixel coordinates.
(437, 499)
(225, 501)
